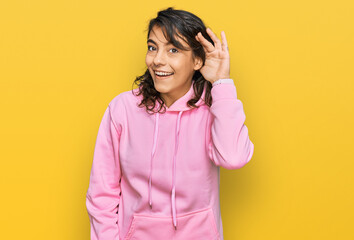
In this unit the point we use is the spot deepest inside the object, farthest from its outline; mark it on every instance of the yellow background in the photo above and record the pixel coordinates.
(61, 62)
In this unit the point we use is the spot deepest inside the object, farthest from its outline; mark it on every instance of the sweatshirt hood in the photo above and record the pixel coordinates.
(180, 105)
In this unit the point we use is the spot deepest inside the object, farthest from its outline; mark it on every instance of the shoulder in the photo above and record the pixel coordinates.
(123, 102)
(123, 99)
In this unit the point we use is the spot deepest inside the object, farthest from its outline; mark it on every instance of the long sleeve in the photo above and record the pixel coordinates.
(228, 142)
(103, 194)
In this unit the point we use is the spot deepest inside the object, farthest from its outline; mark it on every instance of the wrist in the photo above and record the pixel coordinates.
(222, 80)
(223, 77)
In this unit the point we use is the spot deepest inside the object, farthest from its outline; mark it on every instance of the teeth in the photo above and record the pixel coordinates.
(163, 73)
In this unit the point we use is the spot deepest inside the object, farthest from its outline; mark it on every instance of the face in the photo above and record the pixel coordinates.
(165, 57)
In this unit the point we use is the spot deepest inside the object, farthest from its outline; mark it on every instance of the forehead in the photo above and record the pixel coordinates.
(157, 37)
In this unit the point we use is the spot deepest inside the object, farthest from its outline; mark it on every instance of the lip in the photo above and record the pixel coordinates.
(163, 77)
(161, 71)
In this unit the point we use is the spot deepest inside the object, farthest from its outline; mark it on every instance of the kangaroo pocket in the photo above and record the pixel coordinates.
(194, 225)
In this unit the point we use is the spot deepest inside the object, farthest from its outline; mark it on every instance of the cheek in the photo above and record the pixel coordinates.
(178, 65)
(147, 60)
(182, 68)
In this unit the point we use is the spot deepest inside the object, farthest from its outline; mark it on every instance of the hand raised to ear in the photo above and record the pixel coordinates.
(217, 58)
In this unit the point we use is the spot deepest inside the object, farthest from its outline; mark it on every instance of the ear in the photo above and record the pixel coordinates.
(198, 63)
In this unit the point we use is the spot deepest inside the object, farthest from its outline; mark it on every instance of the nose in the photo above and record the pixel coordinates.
(159, 58)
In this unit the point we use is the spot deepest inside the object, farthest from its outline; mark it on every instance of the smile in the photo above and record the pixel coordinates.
(162, 73)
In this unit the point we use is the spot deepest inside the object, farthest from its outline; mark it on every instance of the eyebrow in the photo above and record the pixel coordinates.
(152, 41)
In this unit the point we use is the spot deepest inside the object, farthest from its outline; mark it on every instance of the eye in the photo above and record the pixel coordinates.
(149, 47)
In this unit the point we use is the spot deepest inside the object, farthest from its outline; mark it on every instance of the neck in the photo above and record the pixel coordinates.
(170, 98)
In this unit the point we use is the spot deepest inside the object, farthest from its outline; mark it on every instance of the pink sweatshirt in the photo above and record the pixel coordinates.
(157, 176)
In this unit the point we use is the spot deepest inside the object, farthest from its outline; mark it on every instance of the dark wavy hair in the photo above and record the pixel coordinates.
(185, 25)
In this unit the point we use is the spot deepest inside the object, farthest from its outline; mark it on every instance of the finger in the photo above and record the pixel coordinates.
(214, 38)
(205, 43)
(224, 42)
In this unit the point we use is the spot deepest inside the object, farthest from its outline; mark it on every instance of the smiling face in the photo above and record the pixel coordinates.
(163, 56)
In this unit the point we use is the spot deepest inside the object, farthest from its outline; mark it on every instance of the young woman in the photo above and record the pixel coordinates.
(155, 171)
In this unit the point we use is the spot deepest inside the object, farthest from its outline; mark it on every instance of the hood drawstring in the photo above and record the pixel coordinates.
(173, 194)
(156, 130)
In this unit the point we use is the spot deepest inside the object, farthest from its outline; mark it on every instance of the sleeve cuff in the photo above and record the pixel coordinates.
(225, 80)
(226, 89)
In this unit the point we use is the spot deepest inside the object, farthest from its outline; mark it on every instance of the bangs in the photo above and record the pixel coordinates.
(171, 34)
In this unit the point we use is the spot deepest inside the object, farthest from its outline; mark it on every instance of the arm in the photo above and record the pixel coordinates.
(228, 143)
(103, 194)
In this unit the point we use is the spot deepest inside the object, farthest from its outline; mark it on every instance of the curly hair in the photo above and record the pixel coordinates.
(185, 25)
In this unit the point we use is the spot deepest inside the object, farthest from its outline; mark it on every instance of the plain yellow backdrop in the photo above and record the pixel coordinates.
(62, 62)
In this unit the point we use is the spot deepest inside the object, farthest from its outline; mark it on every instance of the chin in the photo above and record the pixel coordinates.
(161, 89)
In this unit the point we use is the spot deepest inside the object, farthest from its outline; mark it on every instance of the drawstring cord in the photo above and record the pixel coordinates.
(173, 195)
(173, 192)
(153, 154)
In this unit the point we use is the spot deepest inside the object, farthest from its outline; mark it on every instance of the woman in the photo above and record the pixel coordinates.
(155, 171)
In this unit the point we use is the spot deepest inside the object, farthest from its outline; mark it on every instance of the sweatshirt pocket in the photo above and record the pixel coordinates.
(194, 225)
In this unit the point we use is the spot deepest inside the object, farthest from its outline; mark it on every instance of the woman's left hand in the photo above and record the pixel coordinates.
(217, 58)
